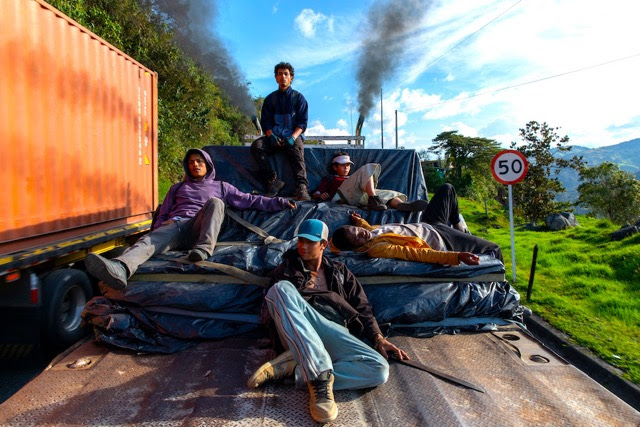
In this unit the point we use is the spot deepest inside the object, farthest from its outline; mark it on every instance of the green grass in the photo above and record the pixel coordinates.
(585, 285)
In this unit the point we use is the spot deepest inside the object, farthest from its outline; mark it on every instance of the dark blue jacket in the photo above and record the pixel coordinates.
(282, 112)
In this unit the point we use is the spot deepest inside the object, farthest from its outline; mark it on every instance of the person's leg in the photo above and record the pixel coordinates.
(159, 240)
(295, 155)
(318, 344)
(459, 241)
(203, 229)
(443, 207)
(261, 150)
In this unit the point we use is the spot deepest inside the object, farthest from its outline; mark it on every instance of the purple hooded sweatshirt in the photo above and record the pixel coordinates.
(186, 198)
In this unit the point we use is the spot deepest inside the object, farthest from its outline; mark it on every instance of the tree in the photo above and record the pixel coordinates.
(610, 192)
(534, 197)
(469, 158)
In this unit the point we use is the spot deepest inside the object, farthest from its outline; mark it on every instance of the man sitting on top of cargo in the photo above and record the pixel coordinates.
(434, 241)
(283, 120)
(190, 217)
(320, 309)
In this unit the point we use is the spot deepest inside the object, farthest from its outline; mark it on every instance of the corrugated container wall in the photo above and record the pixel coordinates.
(78, 128)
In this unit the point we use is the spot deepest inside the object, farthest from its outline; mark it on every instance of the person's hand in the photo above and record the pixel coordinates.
(274, 140)
(468, 258)
(355, 217)
(290, 140)
(385, 347)
(291, 204)
(169, 221)
(324, 196)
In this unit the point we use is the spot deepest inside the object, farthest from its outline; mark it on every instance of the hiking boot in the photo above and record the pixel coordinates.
(273, 187)
(416, 206)
(302, 194)
(112, 272)
(276, 369)
(321, 404)
(197, 255)
(375, 204)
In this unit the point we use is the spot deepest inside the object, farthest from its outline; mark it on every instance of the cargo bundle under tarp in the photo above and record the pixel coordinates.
(170, 301)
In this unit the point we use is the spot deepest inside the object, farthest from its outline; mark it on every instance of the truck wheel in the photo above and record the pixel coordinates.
(65, 293)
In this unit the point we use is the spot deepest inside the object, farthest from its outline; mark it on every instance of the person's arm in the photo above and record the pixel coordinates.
(390, 250)
(266, 116)
(240, 200)
(165, 208)
(302, 116)
(358, 221)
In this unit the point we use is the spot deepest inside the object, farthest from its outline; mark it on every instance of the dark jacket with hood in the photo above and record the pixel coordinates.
(344, 302)
(186, 198)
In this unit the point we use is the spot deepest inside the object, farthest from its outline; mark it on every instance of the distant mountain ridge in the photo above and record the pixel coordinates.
(625, 154)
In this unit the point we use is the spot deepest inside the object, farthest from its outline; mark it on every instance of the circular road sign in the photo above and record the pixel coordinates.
(509, 166)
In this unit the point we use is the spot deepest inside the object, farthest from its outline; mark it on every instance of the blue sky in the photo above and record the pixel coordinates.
(453, 73)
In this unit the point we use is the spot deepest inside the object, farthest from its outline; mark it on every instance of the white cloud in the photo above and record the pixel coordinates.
(307, 21)
(342, 124)
(318, 129)
(462, 129)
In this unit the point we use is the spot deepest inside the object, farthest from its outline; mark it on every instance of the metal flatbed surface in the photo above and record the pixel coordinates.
(205, 385)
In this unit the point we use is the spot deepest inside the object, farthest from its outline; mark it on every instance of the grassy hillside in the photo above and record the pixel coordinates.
(585, 284)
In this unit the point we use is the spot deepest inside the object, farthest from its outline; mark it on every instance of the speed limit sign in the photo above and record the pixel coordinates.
(509, 166)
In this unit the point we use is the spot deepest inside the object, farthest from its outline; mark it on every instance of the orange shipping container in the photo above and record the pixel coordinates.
(78, 128)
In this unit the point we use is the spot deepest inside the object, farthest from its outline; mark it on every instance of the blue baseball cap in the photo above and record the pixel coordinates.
(314, 230)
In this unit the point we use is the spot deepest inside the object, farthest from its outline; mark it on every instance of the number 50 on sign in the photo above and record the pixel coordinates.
(509, 166)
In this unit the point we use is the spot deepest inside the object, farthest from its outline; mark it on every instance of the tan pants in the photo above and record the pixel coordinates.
(353, 190)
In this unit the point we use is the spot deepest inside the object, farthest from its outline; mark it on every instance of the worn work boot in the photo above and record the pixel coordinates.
(416, 206)
(111, 272)
(375, 204)
(321, 403)
(273, 187)
(197, 255)
(302, 194)
(278, 368)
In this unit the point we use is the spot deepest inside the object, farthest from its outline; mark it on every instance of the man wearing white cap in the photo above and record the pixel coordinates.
(320, 309)
(360, 189)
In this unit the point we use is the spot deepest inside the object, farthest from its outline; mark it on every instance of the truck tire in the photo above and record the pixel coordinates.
(65, 293)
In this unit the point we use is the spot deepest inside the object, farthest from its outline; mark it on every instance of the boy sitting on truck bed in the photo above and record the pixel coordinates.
(321, 311)
(434, 241)
(190, 217)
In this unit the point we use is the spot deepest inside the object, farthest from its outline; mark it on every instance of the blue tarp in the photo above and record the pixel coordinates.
(166, 316)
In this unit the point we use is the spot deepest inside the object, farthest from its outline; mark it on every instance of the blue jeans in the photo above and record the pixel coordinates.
(318, 344)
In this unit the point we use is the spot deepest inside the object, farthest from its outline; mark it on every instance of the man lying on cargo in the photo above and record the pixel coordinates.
(321, 311)
(440, 240)
(190, 218)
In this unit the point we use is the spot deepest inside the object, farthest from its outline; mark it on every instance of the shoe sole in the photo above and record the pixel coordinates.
(98, 269)
(326, 420)
(284, 357)
(195, 257)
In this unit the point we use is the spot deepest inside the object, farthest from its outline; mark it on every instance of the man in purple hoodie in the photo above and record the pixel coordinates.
(190, 217)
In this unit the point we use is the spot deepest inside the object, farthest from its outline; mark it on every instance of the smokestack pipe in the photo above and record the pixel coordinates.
(359, 125)
(256, 123)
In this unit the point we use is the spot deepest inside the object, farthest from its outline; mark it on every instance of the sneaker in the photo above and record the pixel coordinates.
(416, 206)
(276, 369)
(197, 255)
(302, 194)
(375, 204)
(273, 187)
(321, 403)
(112, 273)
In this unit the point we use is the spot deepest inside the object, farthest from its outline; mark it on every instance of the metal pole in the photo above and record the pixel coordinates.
(381, 122)
(513, 246)
(396, 129)
(533, 271)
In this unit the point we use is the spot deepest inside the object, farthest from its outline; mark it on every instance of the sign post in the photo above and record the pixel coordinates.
(510, 167)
